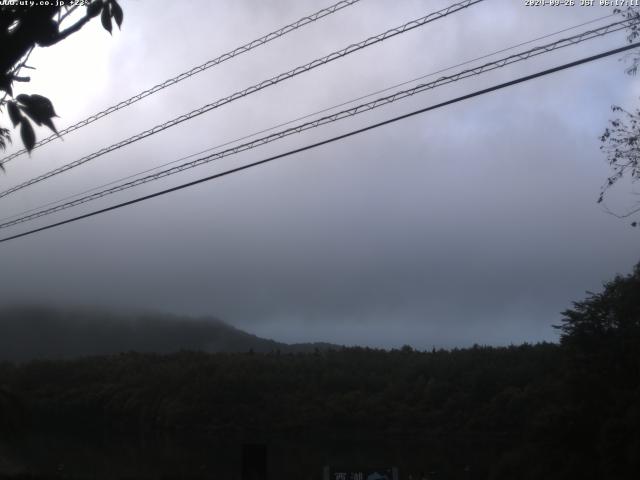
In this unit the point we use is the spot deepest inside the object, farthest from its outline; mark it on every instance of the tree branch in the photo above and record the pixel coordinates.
(72, 29)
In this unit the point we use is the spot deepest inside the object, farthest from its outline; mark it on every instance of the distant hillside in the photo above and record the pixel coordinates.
(41, 332)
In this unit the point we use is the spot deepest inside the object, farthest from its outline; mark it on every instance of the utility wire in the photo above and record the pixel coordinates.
(257, 87)
(581, 37)
(304, 117)
(331, 140)
(194, 71)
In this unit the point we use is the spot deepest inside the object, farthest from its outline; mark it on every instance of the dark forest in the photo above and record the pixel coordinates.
(568, 410)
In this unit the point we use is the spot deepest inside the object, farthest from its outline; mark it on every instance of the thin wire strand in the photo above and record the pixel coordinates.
(194, 71)
(304, 117)
(584, 36)
(420, 22)
(330, 140)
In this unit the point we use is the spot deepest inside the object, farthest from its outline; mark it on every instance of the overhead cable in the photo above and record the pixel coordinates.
(255, 88)
(327, 141)
(190, 73)
(350, 112)
(331, 140)
(308, 115)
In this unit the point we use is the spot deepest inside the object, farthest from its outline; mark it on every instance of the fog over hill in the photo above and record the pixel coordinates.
(32, 332)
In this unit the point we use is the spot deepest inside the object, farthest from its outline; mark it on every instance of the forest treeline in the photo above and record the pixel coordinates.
(568, 410)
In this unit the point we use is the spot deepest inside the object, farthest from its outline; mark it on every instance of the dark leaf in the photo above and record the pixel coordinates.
(32, 115)
(14, 113)
(105, 18)
(28, 135)
(94, 8)
(116, 12)
(43, 105)
(49, 123)
(38, 108)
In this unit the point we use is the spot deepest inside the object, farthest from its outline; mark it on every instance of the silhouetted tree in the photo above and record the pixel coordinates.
(22, 28)
(611, 315)
(602, 338)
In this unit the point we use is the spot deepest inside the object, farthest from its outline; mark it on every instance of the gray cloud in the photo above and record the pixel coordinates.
(474, 223)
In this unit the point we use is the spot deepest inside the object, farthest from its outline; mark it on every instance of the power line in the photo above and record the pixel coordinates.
(254, 88)
(500, 63)
(194, 71)
(318, 112)
(331, 140)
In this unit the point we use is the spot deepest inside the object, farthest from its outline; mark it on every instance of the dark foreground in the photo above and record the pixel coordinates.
(518, 412)
(528, 412)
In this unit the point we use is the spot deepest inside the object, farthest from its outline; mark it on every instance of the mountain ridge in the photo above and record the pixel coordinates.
(44, 332)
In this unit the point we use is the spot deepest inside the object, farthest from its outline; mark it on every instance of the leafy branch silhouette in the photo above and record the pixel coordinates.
(23, 28)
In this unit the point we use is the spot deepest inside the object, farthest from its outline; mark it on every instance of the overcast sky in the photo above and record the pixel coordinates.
(474, 223)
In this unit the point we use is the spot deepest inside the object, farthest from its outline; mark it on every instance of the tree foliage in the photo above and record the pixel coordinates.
(611, 315)
(481, 397)
(632, 15)
(621, 144)
(23, 27)
(620, 140)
